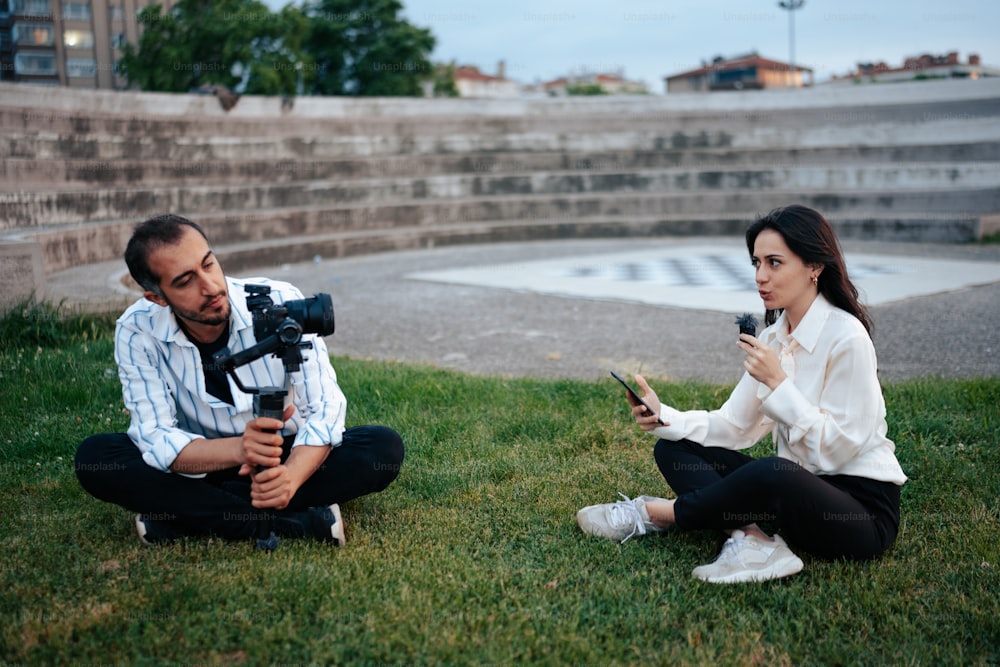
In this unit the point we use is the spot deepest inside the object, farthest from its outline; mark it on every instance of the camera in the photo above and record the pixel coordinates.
(289, 320)
(278, 329)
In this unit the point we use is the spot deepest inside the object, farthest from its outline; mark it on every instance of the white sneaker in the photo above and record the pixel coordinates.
(619, 520)
(749, 558)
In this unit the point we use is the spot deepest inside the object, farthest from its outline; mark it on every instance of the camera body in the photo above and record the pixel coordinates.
(288, 321)
(278, 330)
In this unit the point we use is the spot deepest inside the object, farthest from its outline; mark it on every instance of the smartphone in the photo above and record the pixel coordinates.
(633, 394)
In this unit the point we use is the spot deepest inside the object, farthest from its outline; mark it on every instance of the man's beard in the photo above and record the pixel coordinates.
(198, 317)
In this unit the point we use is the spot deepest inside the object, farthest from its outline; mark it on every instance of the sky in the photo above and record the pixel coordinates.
(541, 40)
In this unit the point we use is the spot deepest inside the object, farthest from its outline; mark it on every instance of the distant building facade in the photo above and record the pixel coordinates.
(471, 82)
(608, 84)
(925, 66)
(746, 72)
(75, 44)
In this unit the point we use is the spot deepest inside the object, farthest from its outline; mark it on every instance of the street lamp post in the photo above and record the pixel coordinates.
(791, 6)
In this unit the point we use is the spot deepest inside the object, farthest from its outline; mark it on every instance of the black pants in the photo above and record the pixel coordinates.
(830, 516)
(110, 467)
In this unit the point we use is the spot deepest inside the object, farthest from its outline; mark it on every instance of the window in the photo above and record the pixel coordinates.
(33, 34)
(31, 7)
(80, 67)
(118, 41)
(76, 10)
(78, 39)
(34, 63)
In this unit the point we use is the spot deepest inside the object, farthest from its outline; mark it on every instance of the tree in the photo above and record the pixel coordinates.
(279, 63)
(239, 44)
(585, 89)
(443, 80)
(363, 47)
(327, 47)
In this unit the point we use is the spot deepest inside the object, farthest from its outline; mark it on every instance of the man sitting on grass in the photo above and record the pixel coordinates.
(195, 461)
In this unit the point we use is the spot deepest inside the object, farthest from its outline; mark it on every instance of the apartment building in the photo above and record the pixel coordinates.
(75, 44)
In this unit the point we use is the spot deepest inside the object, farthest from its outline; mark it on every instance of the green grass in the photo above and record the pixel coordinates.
(473, 555)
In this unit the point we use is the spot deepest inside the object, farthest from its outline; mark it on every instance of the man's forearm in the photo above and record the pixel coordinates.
(304, 460)
(203, 456)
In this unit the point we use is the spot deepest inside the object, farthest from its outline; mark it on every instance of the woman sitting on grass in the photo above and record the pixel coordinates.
(810, 381)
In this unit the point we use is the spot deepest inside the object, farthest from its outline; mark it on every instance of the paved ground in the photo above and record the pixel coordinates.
(384, 313)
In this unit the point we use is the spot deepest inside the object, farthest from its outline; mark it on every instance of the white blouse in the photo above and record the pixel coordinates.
(828, 415)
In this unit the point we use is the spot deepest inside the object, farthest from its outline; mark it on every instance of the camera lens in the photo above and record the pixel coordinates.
(289, 332)
(315, 314)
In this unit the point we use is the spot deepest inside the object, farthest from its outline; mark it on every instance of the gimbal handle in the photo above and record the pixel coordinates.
(267, 402)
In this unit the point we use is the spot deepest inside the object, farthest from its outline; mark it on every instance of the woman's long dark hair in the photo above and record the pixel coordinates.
(810, 236)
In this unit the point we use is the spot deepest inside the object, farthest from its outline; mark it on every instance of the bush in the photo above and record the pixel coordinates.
(32, 323)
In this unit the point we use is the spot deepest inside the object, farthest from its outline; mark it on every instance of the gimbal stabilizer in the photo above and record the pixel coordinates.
(278, 331)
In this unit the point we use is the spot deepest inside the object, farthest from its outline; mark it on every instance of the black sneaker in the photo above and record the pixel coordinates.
(329, 526)
(153, 532)
(319, 523)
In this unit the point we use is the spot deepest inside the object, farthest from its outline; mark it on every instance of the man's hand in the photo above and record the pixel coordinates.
(273, 487)
(761, 362)
(647, 421)
(262, 442)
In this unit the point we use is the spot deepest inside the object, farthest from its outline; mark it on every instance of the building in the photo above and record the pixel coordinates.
(75, 44)
(925, 66)
(470, 82)
(746, 72)
(605, 84)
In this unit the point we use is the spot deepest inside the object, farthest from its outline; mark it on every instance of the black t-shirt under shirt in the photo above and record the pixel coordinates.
(216, 381)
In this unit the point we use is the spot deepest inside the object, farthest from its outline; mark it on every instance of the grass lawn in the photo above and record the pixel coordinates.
(473, 555)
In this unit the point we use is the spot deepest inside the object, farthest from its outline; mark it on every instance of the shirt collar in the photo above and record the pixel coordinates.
(807, 333)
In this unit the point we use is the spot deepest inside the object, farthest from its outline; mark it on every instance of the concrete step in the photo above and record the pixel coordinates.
(949, 214)
(27, 208)
(247, 256)
(33, 174)
(410, 117)
(594, 136)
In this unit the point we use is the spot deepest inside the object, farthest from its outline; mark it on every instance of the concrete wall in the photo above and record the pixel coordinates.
(277, 182)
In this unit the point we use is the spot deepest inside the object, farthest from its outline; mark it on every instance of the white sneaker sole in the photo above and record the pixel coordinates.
(337, 530)
(785, 567)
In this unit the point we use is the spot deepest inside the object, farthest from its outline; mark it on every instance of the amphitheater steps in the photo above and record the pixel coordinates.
(246, 256)
(666, 137)
(381, 175)
(25, 208)
(33, 174)
(921, 214)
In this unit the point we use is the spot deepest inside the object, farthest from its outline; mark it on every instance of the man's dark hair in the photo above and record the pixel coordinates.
(154, 233)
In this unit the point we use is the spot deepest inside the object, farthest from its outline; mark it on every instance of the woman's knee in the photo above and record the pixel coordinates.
(771, 470)
(666, 452)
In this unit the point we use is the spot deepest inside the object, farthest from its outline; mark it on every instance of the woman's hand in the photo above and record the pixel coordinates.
(761, 362)
(646, 420)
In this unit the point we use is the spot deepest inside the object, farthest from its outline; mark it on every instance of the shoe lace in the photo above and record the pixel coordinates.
(625, 514)
(731, 548)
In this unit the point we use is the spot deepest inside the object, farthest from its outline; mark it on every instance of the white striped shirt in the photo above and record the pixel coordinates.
(163, 382)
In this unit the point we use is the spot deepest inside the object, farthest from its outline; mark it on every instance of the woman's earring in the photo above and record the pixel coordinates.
(816, 280)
